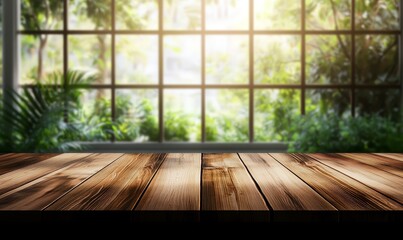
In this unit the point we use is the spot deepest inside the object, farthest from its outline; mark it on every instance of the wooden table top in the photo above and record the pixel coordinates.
(195, 186)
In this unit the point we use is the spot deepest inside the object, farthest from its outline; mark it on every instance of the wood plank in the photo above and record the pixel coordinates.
(226, 185)
(15, 179)
(395, 156)
(343, 192)
(282, 189)
(176, 186)
(117, 187)
(38, 194)
(383, 163)
(382, 181)
(12, 162)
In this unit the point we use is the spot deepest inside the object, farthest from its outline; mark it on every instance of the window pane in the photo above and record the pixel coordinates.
(380, 101)
(182, 15)
(377, 14)
(91, 54)
(136, 59)
(227, 115)
(90, 14)
(40, 55)
(1, 60)
(227, 59)
(136, 14)
(137, 115)
(328, 59)
(377, 59)
(41, 14)
(227, 15)
(182, 60)
(328, 101)
(277, 59)
(277, 14)
(96, 113)
(275, 111)
(330, 15)
(182, 109)
(1, 15)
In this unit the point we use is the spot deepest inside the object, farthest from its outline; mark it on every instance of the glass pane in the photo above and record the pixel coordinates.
(182, 60)
(328, 101)
(182, 15)
(328, 59)
(377, 14)
(40, 56)
(41, 15)
(90, 14)
(383, 102)
(96, 114)
(136, 14)
(1, 59)
(136, 59)
(137, 115)
(227, 115)
(1, 45)
(275, 111)
(91, 54)
(277, 59)
(227, 15)
(227, 59)
(277, 14)
(1, 15)
(182, 110)
(328, 15)
(377, 59)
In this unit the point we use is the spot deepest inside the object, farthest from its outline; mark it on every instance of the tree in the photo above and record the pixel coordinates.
(40, 15)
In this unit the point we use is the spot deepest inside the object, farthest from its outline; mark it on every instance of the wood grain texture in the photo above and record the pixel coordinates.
(117, 187)
(343, 192)
(395, 156)
(226, 185)
(372, 176)
(12, 162)
(39, 193)
(176, 186)
(282, 189)
(383, 163)
(15, 179)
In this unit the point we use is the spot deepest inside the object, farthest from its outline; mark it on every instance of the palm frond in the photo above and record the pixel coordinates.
(36, 115)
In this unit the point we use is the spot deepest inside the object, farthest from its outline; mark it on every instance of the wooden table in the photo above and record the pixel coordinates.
(274, 187)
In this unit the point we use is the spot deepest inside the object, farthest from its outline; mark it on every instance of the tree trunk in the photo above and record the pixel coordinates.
(101, 64)
(43, 39)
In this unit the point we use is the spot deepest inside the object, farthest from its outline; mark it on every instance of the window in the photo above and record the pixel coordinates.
(1, 54)
(217, 71)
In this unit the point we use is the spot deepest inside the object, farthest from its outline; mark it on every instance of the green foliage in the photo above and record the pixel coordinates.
(178, 127)
(127, 12)
(97, 124)
(41, 14)
(34, 120)
(99, 11)
(149, 124)
(333, 133)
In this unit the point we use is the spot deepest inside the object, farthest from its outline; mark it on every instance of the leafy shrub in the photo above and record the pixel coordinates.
(331, 133)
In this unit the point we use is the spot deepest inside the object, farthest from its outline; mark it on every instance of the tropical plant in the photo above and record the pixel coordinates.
(34, 119)
(334, 133)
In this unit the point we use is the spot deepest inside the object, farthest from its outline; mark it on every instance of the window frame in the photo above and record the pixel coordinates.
(10, 79)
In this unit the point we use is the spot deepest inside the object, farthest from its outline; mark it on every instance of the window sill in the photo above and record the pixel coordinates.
(183, 147)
